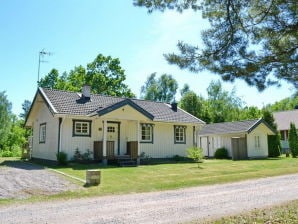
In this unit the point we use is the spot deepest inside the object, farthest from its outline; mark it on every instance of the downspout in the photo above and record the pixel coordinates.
(59, 134)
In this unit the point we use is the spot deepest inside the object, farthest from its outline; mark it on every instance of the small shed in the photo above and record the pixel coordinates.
(243, 139)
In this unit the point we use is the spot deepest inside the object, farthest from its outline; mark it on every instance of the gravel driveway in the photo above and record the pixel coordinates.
(17, 182)
(159, 207)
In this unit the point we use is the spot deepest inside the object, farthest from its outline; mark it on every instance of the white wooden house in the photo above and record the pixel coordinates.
(242, 139)
(108, 126)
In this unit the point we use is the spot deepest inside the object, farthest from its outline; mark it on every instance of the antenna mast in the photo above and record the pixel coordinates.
(41, 54)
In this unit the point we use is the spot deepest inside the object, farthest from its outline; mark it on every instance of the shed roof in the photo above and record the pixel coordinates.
(232, 127)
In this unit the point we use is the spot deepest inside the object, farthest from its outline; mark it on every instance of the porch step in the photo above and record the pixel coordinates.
(125, 161)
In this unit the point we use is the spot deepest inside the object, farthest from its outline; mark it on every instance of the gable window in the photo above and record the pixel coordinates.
(42, 133)
(179, 134)
(257, 141)
(81, 128)
(147, 133)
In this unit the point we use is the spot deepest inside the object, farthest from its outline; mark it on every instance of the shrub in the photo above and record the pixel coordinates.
(274, 146)
(196, 154)
(293, 140)
(177, 158)
(61, 158)
(6, 153)
(221, 153)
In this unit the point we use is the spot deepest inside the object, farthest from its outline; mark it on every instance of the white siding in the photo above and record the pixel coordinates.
(261, 131)
(163, 142)
(48, 149)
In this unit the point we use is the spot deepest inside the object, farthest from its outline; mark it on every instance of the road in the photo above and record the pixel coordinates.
(173, 206)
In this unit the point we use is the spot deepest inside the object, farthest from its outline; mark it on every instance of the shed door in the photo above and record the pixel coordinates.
(239, 149)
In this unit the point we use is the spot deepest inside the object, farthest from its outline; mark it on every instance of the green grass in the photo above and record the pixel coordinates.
(117, 180)
(147, 178)
(285, 213)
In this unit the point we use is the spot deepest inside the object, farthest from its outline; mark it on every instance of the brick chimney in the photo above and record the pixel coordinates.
(86, 92)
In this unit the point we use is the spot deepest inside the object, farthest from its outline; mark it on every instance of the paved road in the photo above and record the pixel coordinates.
(159, 207)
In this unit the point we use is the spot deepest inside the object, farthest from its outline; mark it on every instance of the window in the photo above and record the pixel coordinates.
(111, 129)
(81, 128)
(147, 133)
(179, 134)
(257, 141)
(42, 133)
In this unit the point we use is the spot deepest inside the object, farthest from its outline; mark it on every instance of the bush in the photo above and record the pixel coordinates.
(61, 158)
(196, 154)
(221, 153)
(293, 140)
(274, 146)
(6, 153)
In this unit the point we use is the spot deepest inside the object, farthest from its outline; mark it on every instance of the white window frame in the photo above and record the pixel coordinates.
(42, 132)
(82, 128)
(146, 133)
(179, 134)
(257, 141)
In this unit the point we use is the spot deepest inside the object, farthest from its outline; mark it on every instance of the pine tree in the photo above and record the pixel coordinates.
(293, 140)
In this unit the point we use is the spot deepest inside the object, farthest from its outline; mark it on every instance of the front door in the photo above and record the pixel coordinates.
(113, 135)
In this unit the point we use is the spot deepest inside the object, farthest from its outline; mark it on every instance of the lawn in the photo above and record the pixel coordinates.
(146, 178)
(285, 213)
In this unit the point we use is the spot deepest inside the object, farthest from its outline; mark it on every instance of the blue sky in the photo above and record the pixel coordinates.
(77, 31)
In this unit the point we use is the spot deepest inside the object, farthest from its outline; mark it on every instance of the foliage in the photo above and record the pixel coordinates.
(274, 146)
(289, 103)
(221, 153)
(162, 89)
(293, 140)
(82, 157)
(14, 152)
(255, 41)
(104, 75)
(192, 104)
(196, 154)
(5, 119)
(178, 158)
(26, 107)
(223, 106)
(61, 158)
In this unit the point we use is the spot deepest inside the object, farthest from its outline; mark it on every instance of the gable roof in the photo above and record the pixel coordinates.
(283, 119)
(232, 127)
(71, 103)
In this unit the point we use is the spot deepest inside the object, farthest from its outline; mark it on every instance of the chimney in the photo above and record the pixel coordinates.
(174, 106)
(86, 91)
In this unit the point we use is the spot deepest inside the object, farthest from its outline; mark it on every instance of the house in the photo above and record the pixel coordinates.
(283, 119)
(107, 126)
(242, 139)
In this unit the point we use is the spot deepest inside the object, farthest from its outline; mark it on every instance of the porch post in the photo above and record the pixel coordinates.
(104, 143)
(138, 136)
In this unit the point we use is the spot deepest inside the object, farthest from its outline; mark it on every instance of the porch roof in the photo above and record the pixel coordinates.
(71, 103)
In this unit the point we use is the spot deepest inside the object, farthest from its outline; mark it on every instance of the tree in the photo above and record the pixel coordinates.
(252, 40)
(26, 107)
(196, 154)
(274, 145)
(222, 105)
(5, 119)
(293, 140)
(162, 89)
(185, 90)
(104, 75)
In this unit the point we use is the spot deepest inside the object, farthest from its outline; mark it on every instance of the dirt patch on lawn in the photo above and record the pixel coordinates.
(20, 179)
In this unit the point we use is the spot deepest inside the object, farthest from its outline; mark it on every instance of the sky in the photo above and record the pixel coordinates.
(76, 31)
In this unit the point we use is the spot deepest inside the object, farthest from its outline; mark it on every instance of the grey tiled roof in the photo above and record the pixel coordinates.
(230, 127)
(283, 119)
(64, 102)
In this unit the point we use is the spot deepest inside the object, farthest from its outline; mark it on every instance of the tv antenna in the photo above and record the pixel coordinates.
(41, 55)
